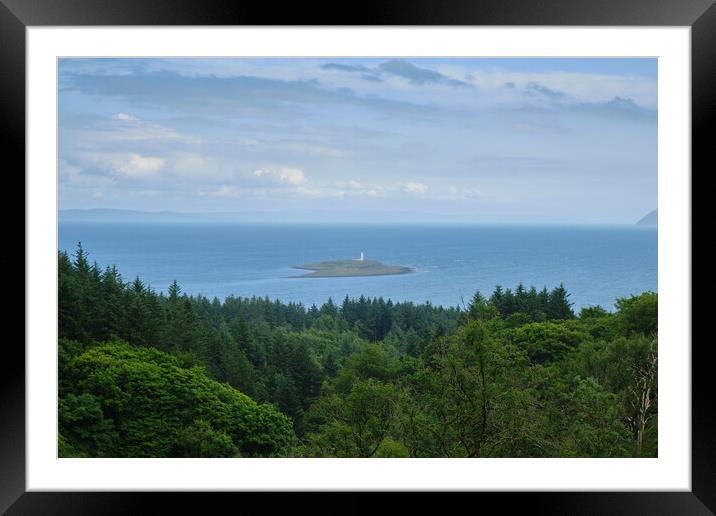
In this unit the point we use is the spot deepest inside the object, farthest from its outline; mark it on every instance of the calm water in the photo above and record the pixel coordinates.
(596, 264)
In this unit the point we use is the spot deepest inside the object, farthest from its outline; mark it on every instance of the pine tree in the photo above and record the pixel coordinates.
(480, 308)
(174, 292)
(498, 298)
(559, 306)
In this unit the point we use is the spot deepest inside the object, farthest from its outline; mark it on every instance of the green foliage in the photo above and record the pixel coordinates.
(136, 402)
(596, 430)
(517, 319)
(481, 309)
(626, 367)
(547, 341)
(83, 423)
(201, 440)
(354, 424)
(391, 449)
(371, 361)
(66, 449)
(538, 306)
(143, 374)
(592, 312)
(639, 314)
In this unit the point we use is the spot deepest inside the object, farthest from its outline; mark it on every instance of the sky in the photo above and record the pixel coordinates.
(528, 140)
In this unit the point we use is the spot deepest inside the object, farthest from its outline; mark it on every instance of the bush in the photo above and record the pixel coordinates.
(141, 403)
(639, 314)
(548, 341)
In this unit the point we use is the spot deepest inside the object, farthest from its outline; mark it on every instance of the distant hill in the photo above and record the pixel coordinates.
(278, 216)
(650, 219)
(308, 216)
(111, 215)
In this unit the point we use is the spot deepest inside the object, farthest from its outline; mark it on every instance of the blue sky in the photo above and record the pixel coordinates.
(462, 140)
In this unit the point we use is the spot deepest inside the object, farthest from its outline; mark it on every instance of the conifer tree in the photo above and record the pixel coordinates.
(559, 306)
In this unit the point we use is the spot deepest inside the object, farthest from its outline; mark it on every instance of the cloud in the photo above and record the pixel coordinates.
(124, 117)
(541, 127)
(355, 188)
(415, 75)
(136, 165)
(74, 175)
(562, 85)
(368, 74)
(320, 193)
(94, 168)
(533, 87)
(508, 162)
(225, 191)
(261, 183)
(305, 149)
(346, 68)
(463, 193)
(242, 95)
(281, 176)
(131, 128)
(308, 132)
(200, 93)
(619, 107)
(371, 77)
(290, 184)
(415, 188)
(192, 164)
(397, 67)
(371, 192)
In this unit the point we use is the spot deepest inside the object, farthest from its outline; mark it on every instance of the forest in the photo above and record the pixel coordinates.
(516, 373)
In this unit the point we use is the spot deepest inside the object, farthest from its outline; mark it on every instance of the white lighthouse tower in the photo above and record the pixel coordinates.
(362, 258)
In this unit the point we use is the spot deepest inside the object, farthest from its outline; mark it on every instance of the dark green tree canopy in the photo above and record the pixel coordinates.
(515, 374)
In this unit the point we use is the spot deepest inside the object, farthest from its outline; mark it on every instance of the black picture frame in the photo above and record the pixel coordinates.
(16, 15)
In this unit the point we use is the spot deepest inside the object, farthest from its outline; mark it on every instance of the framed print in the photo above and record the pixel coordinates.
(417, 250)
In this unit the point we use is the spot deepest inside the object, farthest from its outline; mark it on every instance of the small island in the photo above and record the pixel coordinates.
(348, 268)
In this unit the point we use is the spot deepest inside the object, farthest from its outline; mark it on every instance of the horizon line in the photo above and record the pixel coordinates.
(308, 217)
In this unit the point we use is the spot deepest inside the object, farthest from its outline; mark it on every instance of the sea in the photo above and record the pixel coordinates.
(596, 264)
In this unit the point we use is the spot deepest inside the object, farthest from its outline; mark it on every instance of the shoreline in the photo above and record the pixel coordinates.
(320, 274)
(350, 269)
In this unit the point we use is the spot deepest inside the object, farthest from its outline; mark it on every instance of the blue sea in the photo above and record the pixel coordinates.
(596, 264)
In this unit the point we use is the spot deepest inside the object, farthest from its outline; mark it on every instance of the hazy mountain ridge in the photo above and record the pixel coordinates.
(650, 219)
(287, 216)
(357, 216)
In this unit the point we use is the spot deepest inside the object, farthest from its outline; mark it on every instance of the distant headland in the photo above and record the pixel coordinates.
(347, 268)
(650, 219)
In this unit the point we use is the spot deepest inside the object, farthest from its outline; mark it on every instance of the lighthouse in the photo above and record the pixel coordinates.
(362, 258)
